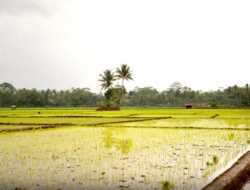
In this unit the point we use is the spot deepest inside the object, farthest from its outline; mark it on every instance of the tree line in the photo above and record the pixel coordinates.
(176, 95)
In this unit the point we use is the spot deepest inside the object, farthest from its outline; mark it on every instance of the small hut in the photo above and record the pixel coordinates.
(197, 105)
(188, 106)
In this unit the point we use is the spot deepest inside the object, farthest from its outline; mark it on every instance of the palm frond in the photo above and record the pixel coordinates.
(107, 79)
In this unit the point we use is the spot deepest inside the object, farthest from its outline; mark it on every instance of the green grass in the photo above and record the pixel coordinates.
(195, 118)
(134, 155)
(192, 123)
(177, 113)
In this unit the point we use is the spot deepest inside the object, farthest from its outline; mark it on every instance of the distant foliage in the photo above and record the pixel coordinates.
(42, 98)
(174, 96)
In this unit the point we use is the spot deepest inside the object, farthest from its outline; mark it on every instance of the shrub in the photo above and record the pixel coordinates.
(213, 104)
(107, 105)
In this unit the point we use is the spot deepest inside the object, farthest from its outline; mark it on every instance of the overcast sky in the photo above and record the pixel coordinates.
(68, 43)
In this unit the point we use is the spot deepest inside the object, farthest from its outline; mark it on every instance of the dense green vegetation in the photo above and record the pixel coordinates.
(114, 95)
(175, 95)
(135, 148)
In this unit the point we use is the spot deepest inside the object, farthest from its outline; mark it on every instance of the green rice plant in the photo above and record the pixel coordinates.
(210, 163)
(214, 162)
(215, 159)
(206, 173)
(231, 136)
(128, 154)
(167, 185)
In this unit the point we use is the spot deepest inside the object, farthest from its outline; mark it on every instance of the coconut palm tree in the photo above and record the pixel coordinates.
(124, 73)
(107, 79)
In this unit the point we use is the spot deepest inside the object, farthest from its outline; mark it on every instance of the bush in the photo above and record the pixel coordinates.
(213, 104)
(107, 105)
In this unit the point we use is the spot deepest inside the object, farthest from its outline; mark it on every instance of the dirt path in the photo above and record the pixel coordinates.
(234, 178)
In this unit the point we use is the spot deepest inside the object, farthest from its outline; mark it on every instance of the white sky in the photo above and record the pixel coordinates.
(68, 43)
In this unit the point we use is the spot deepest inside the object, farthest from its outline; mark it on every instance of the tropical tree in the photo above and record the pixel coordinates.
(147, 96)
(107, 79)
(7, 92)
(7, 87)
(124, 73)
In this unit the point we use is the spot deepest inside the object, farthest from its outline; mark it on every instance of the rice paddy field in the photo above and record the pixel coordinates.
(135, 148)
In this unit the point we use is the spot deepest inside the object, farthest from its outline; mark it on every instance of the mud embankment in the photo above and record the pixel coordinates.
(235, 178)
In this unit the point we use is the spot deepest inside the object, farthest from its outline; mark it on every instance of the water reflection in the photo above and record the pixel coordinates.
(108, 138)
(114, 137)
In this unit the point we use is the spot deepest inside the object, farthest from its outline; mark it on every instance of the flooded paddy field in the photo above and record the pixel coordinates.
(121, 151)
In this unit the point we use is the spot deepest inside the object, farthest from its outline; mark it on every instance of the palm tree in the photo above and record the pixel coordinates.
(124, 73)
(107, 79)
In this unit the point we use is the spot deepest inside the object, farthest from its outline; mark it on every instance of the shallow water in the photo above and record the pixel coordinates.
(115, 158)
